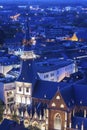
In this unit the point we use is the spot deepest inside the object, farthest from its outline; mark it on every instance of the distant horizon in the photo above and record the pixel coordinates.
(63, 1)
(45, 2)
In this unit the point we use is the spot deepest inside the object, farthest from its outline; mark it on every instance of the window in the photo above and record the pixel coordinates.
(52, 74)
(46, 76)
(28, 101)
(23, 99)
(58, 97)
(45, 96)
(10, 99)
(57, 122)
(27, 90)
(18, 98)
(52, 79)
(10, 93)
(20, 89)
(80, 102)
(53, 104)
(62, 106)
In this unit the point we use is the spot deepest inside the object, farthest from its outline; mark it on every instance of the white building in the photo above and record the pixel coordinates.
(55, 70)
(7, 91)
(31, 70)
(25, 80)
(6, 64)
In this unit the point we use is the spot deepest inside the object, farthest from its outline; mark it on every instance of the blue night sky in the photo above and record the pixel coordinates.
(44, 0)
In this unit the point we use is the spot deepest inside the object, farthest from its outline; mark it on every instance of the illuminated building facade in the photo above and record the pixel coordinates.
(7, 91)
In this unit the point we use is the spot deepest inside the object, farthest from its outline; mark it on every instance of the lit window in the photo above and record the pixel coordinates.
(28, 101)
(80, 102)
(23, 99)
(44, 95)
(53, 104)
(18, 98)
(76, 126)
(62, 106)
(58, 97)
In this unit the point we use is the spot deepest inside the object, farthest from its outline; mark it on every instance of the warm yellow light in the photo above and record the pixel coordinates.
(53, 104)
(62, 105)
(74, 37)
(58, 97)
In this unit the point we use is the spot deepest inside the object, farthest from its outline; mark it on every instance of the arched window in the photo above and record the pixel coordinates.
(35, 123)
(43, 126)
(57, 122)
(23, 99)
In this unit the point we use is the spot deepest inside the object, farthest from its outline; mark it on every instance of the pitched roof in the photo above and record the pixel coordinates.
(28, 72)
(80, 93)
(82, 34)
(68, 94)
(45, 89)
(50, 65)
(79, 121)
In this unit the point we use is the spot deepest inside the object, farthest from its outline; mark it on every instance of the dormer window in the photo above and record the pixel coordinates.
(62, 106)
(80, 102)
(68, 103)
(73, 101)
(53, 104)
(45, 96)
(58, 97)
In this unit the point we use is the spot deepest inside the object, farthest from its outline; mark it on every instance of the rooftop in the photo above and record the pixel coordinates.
(52, 64)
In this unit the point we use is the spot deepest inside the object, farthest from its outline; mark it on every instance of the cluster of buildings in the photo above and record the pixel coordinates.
(41, 95)
(45, 84)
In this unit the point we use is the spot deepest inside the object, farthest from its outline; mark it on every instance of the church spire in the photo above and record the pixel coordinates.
(28, 37)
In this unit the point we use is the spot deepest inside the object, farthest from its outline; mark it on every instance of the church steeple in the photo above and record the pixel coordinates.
(29, 42)
(27, 76)
(28, 37)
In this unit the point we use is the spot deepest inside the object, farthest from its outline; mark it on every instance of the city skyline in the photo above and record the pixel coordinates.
(59, 1)
(43, 65)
